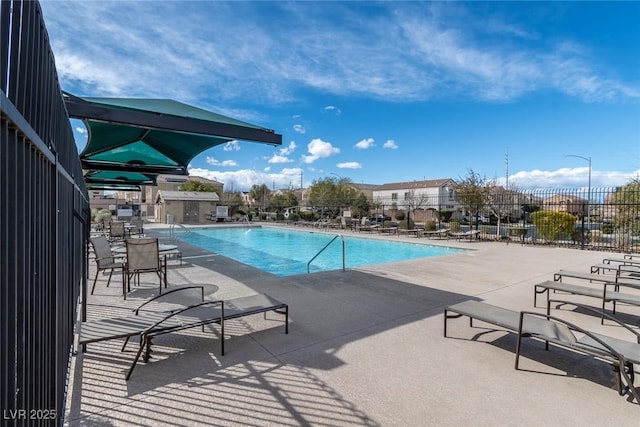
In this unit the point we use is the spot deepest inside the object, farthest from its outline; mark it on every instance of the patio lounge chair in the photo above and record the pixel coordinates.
(104, 259)
(443, 232)
(365, 226)
(604, 294)
(148, 324)
(465, 234)
(628, 281)
(620, 354)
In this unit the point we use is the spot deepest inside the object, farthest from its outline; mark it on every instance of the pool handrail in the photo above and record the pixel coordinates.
(172, 231)
(325, 247)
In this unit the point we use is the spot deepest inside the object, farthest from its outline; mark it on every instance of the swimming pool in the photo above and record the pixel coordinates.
(286, 252)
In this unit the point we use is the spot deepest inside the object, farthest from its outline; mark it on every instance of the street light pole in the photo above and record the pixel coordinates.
(588, 159)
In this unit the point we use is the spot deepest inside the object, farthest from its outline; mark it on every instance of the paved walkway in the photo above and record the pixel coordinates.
(365, 348)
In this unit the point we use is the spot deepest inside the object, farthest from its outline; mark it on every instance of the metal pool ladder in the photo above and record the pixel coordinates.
(325, 247)
(172, 231)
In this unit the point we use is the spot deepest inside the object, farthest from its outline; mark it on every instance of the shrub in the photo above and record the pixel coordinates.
(294, 216)
(400, 215)
(553, 226)
(454, 226)
(101, 214)
(403, 224)
(307, 216)
(430, 225)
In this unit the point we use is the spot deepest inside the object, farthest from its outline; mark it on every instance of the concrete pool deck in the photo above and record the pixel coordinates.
(365, 347)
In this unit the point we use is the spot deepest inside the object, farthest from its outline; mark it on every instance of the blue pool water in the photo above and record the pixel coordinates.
(287, 252)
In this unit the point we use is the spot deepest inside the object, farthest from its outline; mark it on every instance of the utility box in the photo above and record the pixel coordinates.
(222, 213)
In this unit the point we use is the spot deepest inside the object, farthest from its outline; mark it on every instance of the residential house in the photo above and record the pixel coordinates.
(423, 198)
(565, 203)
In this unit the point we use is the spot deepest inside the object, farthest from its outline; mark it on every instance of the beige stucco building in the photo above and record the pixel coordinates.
(185, 207)
(423, 197)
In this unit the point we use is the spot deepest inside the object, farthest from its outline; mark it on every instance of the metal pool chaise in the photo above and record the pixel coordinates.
(149, 324)
(628, 281)
(465, 234)
(604, 294)
(620, 354)
(441, 233)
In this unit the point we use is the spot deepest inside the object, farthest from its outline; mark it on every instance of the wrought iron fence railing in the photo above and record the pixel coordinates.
(43, 223)
(593, 218)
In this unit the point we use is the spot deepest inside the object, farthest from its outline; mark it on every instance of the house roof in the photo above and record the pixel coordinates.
(365, 187)
(429, 183)
(185, 178)
(200, 196)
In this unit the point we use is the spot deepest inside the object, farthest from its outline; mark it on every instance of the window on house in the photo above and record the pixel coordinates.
(394, 196)
(407, 195)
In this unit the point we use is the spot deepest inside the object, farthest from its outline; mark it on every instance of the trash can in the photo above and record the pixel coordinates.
(169, 219)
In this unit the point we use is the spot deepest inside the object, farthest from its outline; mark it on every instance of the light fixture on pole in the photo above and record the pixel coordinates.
(588, 159)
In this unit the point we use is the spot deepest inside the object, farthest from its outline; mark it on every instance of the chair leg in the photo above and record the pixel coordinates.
(143, 341)
(95, 279)
(109, 279)
(125, 279)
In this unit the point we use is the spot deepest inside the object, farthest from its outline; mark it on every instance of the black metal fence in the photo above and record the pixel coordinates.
(592, 218)
(43, 223)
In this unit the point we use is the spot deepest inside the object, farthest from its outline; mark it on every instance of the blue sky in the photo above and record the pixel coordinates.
(377, 92)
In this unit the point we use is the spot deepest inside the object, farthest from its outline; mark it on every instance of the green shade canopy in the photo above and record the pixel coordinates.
(118, 178)
(148, 137)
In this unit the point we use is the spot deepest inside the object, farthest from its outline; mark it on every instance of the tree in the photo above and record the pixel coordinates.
(290, 199)
(233, 200)
(361, 206)
(282, 201)
(505, 203)
(626, 201)
(472, 193)
(260, 193)
(414, 201)
(331, 195)
(192, 185)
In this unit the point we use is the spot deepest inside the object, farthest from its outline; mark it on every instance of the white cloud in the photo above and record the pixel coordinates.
(335, 110)
(391, 144)
(569, 177)
(299, 129)
(232, 146)
(242, 180)
(285, 151)
(281, 155)
(319, 149)
(81, 130)
(349, 165)
(365, 143)
(276, 158)
(415, 51)
(227, 163)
